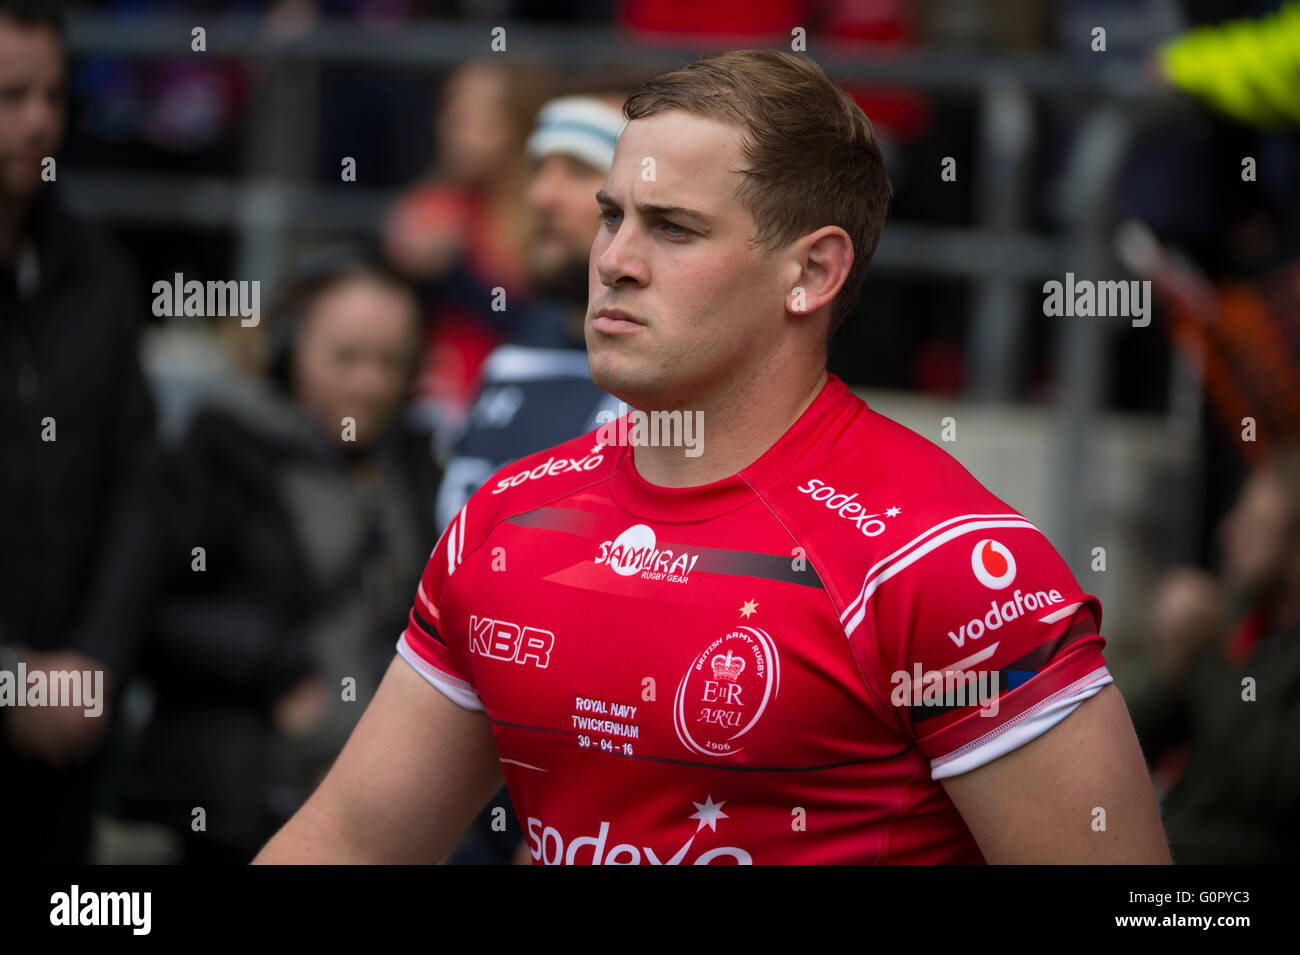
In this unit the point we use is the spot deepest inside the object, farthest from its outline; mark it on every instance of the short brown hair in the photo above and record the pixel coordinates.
(812, 154)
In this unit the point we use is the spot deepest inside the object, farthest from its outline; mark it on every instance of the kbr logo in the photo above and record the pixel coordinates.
(502, 640)
(993, 564)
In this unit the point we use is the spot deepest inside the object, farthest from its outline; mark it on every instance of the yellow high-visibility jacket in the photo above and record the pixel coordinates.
(1249, 69)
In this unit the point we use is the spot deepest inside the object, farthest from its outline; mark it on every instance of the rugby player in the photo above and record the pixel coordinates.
(758, 653)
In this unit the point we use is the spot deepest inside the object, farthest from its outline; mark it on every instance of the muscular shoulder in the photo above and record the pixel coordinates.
(931, 574)
(880, 496)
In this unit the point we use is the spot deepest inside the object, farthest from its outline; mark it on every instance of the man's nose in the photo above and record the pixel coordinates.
(620, 258)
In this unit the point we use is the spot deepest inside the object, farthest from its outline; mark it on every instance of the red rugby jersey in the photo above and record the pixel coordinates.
(776, 667)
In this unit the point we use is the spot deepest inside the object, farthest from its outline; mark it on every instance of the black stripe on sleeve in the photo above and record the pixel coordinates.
(425, 626)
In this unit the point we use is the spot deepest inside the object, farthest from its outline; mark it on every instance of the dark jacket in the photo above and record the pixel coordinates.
(1238, 797)
(75, 519)
(304, 573)
(73, 510)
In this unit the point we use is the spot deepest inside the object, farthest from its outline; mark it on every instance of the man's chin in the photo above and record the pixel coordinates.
(615, 378)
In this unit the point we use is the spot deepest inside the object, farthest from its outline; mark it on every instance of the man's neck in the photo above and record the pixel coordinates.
(738, 427)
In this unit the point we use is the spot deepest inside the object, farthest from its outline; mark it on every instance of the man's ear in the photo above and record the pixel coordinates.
(827, 257)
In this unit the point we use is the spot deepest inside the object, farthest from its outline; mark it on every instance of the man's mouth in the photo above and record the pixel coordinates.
(615, 321)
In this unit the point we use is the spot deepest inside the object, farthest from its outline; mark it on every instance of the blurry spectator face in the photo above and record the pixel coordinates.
(561, 196)
(353, 354)
(708, 305)
(1254, 536)
(474, 127)
(32, 108)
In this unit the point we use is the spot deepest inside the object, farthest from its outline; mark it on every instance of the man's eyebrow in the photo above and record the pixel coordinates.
(605, 200)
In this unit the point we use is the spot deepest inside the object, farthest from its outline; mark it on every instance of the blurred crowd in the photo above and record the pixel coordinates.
(230, 523)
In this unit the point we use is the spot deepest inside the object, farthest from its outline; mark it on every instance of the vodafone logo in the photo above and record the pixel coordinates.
(993, 564)
(1012, 609)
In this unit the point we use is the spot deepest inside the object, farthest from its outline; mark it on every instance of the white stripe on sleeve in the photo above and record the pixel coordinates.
(453, 688)
(1031, 724)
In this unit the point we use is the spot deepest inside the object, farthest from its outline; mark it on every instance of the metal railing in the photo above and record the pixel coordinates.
(1002, 260)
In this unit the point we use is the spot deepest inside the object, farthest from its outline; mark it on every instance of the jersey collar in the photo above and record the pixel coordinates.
(682, 505)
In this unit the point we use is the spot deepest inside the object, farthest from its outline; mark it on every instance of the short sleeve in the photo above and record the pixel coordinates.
(976, 638)
(423, 644)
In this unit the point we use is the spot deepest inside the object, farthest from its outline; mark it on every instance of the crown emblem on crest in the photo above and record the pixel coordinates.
(727, 668)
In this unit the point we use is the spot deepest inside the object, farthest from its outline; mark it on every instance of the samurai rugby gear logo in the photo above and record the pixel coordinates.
(635, 551)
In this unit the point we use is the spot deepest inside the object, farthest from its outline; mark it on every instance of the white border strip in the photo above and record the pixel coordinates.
(453, 688)
(1029, 725)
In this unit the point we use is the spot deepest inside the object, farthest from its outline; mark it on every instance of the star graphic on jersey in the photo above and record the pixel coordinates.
(893, 511)
(749, 607)
(597, 449)
(709, 813)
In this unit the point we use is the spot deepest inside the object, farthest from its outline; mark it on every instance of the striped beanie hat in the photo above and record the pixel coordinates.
(579, 126)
